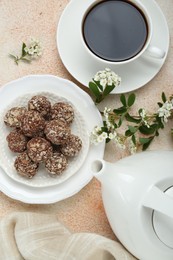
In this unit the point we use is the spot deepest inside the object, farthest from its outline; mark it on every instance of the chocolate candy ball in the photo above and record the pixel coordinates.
(39, 149)
(32, 123)
(17, 141)
(72, 147)
(13, 116)
(56, 164)
(25, 166)
(57, 131)
(62, 110)
(40, 104)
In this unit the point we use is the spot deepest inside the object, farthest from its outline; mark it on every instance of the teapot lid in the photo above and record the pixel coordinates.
(163, 224)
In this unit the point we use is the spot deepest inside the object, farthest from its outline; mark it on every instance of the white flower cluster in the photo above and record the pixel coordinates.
(97, 135)
(107, 77)
(106, 116)
(120, 142)
(34, 49)
(132, 147)
(165, 110)
(143, 117)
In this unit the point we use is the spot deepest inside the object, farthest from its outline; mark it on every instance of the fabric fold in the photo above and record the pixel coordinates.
(33, 236)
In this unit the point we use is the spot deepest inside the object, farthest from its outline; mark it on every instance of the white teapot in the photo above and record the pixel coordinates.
(137, 194)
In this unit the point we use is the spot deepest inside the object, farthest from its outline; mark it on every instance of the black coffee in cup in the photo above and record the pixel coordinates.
(115, 30)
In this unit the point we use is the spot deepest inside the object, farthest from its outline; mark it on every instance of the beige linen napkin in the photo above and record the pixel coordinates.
(33, 236)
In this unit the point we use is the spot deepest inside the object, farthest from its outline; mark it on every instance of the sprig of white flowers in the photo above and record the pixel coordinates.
(29, 52)
(140, 130)
(103, 83)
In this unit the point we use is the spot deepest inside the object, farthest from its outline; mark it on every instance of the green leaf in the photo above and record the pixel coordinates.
(153, 128)
(107, 140)
(131, 99)
(140, 111)
(98, 84)
(104, 129)
(148, 131)
(164, 97)
(146, 145)
(120, 122)
(108, 89)
(132, 129)
(23, 49)
(123, 100)
(13, 56)
(94, 89)
(115, 125)
(159, 122)
(128, 133)
(132, 119)
(157, 133)
(134, 139)
(104, 123)
(145, 130)
(120, 111)
(144, 140)
(26, 59)
(159, 104)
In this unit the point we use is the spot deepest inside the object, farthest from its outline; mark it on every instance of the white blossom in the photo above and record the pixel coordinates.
(132, 147)
(104, 135)
(107, 77)
(102, 75)
(97, 135)
(100, 139)
(103, 82)
(107, 118)
(112, 135)
(144, 118)
(110, 82)
(120, 142)
(34, 49)
(165, 111)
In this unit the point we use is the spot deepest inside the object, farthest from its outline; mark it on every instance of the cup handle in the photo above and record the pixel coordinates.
(155, 52)
(159, 201)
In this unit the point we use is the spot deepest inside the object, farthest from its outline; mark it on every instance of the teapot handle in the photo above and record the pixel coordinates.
(159, 201)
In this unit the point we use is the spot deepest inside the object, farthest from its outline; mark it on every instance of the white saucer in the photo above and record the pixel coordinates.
(82, 101)
(83, 67)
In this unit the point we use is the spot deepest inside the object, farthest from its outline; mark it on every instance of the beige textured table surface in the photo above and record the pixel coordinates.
(20, 19)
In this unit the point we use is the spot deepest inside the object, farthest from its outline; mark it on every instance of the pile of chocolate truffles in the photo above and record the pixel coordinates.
(41, 134)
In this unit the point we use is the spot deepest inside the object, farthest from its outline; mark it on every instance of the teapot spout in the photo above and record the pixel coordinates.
(99, 169)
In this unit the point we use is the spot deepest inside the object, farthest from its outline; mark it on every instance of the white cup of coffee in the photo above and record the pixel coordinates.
(118, 31)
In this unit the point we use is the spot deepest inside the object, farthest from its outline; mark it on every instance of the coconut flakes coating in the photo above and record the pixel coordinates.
(17, 141)
(32, 123)
(72, 147)
(14, 115)
(57, 131)
(39, 149)
(25, 166)
(56, 164)
(40, 104)
(62, 110)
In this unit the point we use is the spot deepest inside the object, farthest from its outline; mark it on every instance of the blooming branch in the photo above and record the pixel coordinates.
(141, 129)
(32, 51)
(103, 83)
